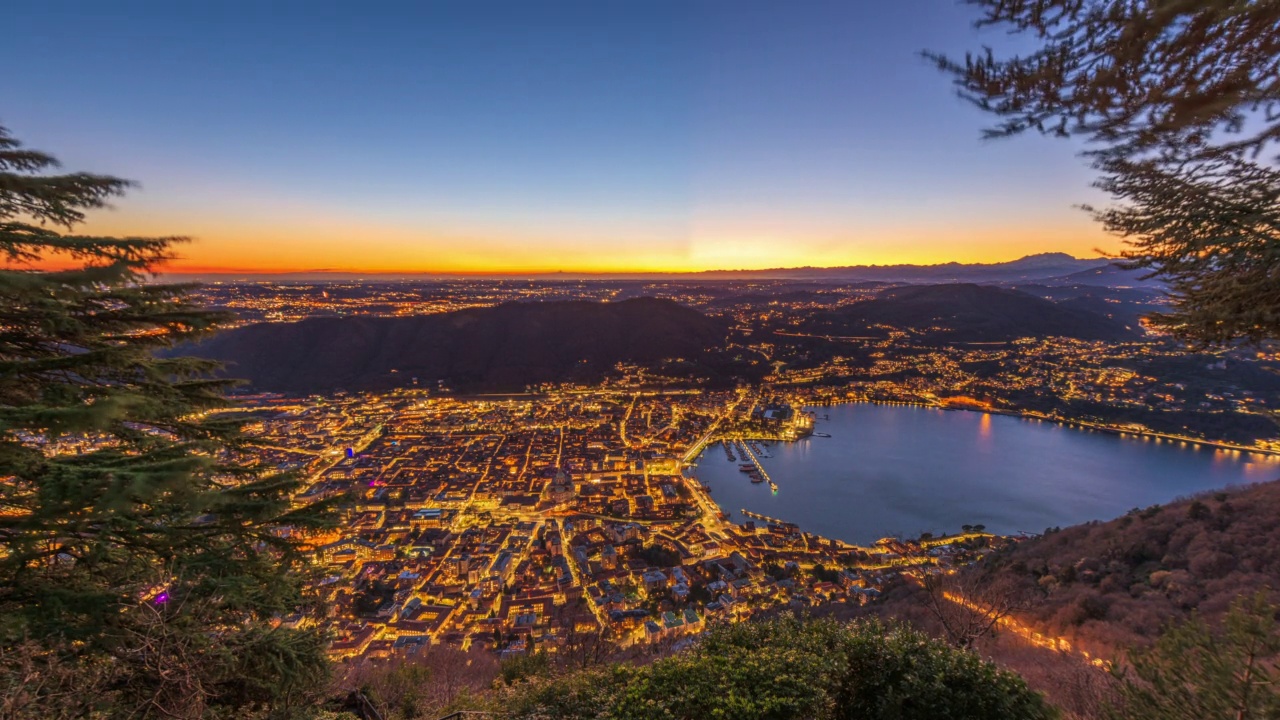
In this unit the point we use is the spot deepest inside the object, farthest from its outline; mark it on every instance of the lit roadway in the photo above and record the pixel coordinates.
(622, 426)
(710, 511)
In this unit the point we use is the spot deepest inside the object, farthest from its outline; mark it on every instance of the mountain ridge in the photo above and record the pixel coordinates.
(501, 348)
(968, 312)
(1036, 266)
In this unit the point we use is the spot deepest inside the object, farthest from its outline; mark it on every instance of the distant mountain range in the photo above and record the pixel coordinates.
(501, 348)
(966, 312)
(1031, 267)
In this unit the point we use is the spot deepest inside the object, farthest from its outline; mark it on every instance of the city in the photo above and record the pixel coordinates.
(697, 360)
(501, 524)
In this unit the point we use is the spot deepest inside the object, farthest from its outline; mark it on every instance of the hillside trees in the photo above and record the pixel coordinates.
(142, 560)
(1195, 673)
(790, 668)
(1179, 103)
(970, 605)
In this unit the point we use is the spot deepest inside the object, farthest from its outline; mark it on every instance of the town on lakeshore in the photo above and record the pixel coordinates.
(503, 503)
(520, 512)
(641, 360)
(511, 523)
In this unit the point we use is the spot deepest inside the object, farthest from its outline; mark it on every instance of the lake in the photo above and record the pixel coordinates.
(901, 470)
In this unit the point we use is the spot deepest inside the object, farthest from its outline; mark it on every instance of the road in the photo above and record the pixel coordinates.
(710, 511)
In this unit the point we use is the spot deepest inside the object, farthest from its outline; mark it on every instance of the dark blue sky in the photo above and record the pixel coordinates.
(527, 135)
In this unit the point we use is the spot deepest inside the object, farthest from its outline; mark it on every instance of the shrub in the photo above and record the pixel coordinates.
(791, 668)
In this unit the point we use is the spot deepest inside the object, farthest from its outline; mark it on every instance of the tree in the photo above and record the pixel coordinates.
(1195, 673)
(789, 667)
(583, 641)
(969, 605)
(1210, 227)
(141, 544)
(1180, 104)
(428, 683)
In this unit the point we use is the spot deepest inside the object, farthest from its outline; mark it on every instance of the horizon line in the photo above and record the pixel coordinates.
(544, 273)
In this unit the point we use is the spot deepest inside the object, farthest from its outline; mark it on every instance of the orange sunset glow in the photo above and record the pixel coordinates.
(222, 245)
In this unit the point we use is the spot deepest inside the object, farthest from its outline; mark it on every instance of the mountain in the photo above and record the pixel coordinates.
(1110, 275)
(1119, 582)
(965, 312)
(1031, 267)
(501, 348)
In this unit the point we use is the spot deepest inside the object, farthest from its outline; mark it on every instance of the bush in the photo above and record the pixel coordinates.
(791, 668)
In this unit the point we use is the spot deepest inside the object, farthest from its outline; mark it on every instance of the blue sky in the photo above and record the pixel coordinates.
(518, 136)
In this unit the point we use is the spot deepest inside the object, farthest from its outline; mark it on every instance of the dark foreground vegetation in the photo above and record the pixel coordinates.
(804, 667)
(782, 668)
(790, 668)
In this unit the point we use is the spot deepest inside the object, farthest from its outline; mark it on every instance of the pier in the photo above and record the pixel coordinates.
(745, 449)
(764, 518)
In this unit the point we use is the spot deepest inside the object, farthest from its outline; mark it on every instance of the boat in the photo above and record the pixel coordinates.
(755, 479)
(821, 435)
(746, 467)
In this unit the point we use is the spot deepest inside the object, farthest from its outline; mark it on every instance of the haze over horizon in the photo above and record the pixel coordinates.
(576, 137)
(715, 273)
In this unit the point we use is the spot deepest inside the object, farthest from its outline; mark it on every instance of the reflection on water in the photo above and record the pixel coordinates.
(903, 470)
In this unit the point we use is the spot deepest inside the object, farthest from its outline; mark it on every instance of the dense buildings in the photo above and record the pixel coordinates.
(537, 518)
(508, 523)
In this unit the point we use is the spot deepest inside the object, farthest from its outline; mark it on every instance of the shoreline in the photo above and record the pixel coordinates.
(1073, 424)
(694, 455)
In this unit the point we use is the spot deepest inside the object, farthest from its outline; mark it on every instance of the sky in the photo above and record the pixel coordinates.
(492, 137)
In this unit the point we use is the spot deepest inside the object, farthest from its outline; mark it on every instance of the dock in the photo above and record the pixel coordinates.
(764, 518)
(744, 448)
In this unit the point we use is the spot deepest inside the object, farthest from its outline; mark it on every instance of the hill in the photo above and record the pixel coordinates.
(500, 349)
(1110, 584)
(1109, 275)
(967, 312)
(1106, 587)
(1125, 305)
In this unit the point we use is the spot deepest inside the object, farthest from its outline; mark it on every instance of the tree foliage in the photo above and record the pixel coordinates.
(1180, 103)
(140, 542)
(790, 668)
(1211, 228)
(1195, 673)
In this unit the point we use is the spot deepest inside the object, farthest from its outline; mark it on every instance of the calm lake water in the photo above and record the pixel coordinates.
(890, 470)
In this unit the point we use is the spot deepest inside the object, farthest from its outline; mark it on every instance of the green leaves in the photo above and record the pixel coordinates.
(1196, 673)
(118, 485)
(791, 668)
(1180, 104)
(1212, 229)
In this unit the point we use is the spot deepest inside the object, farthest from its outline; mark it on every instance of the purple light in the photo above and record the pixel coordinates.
(162, 598)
